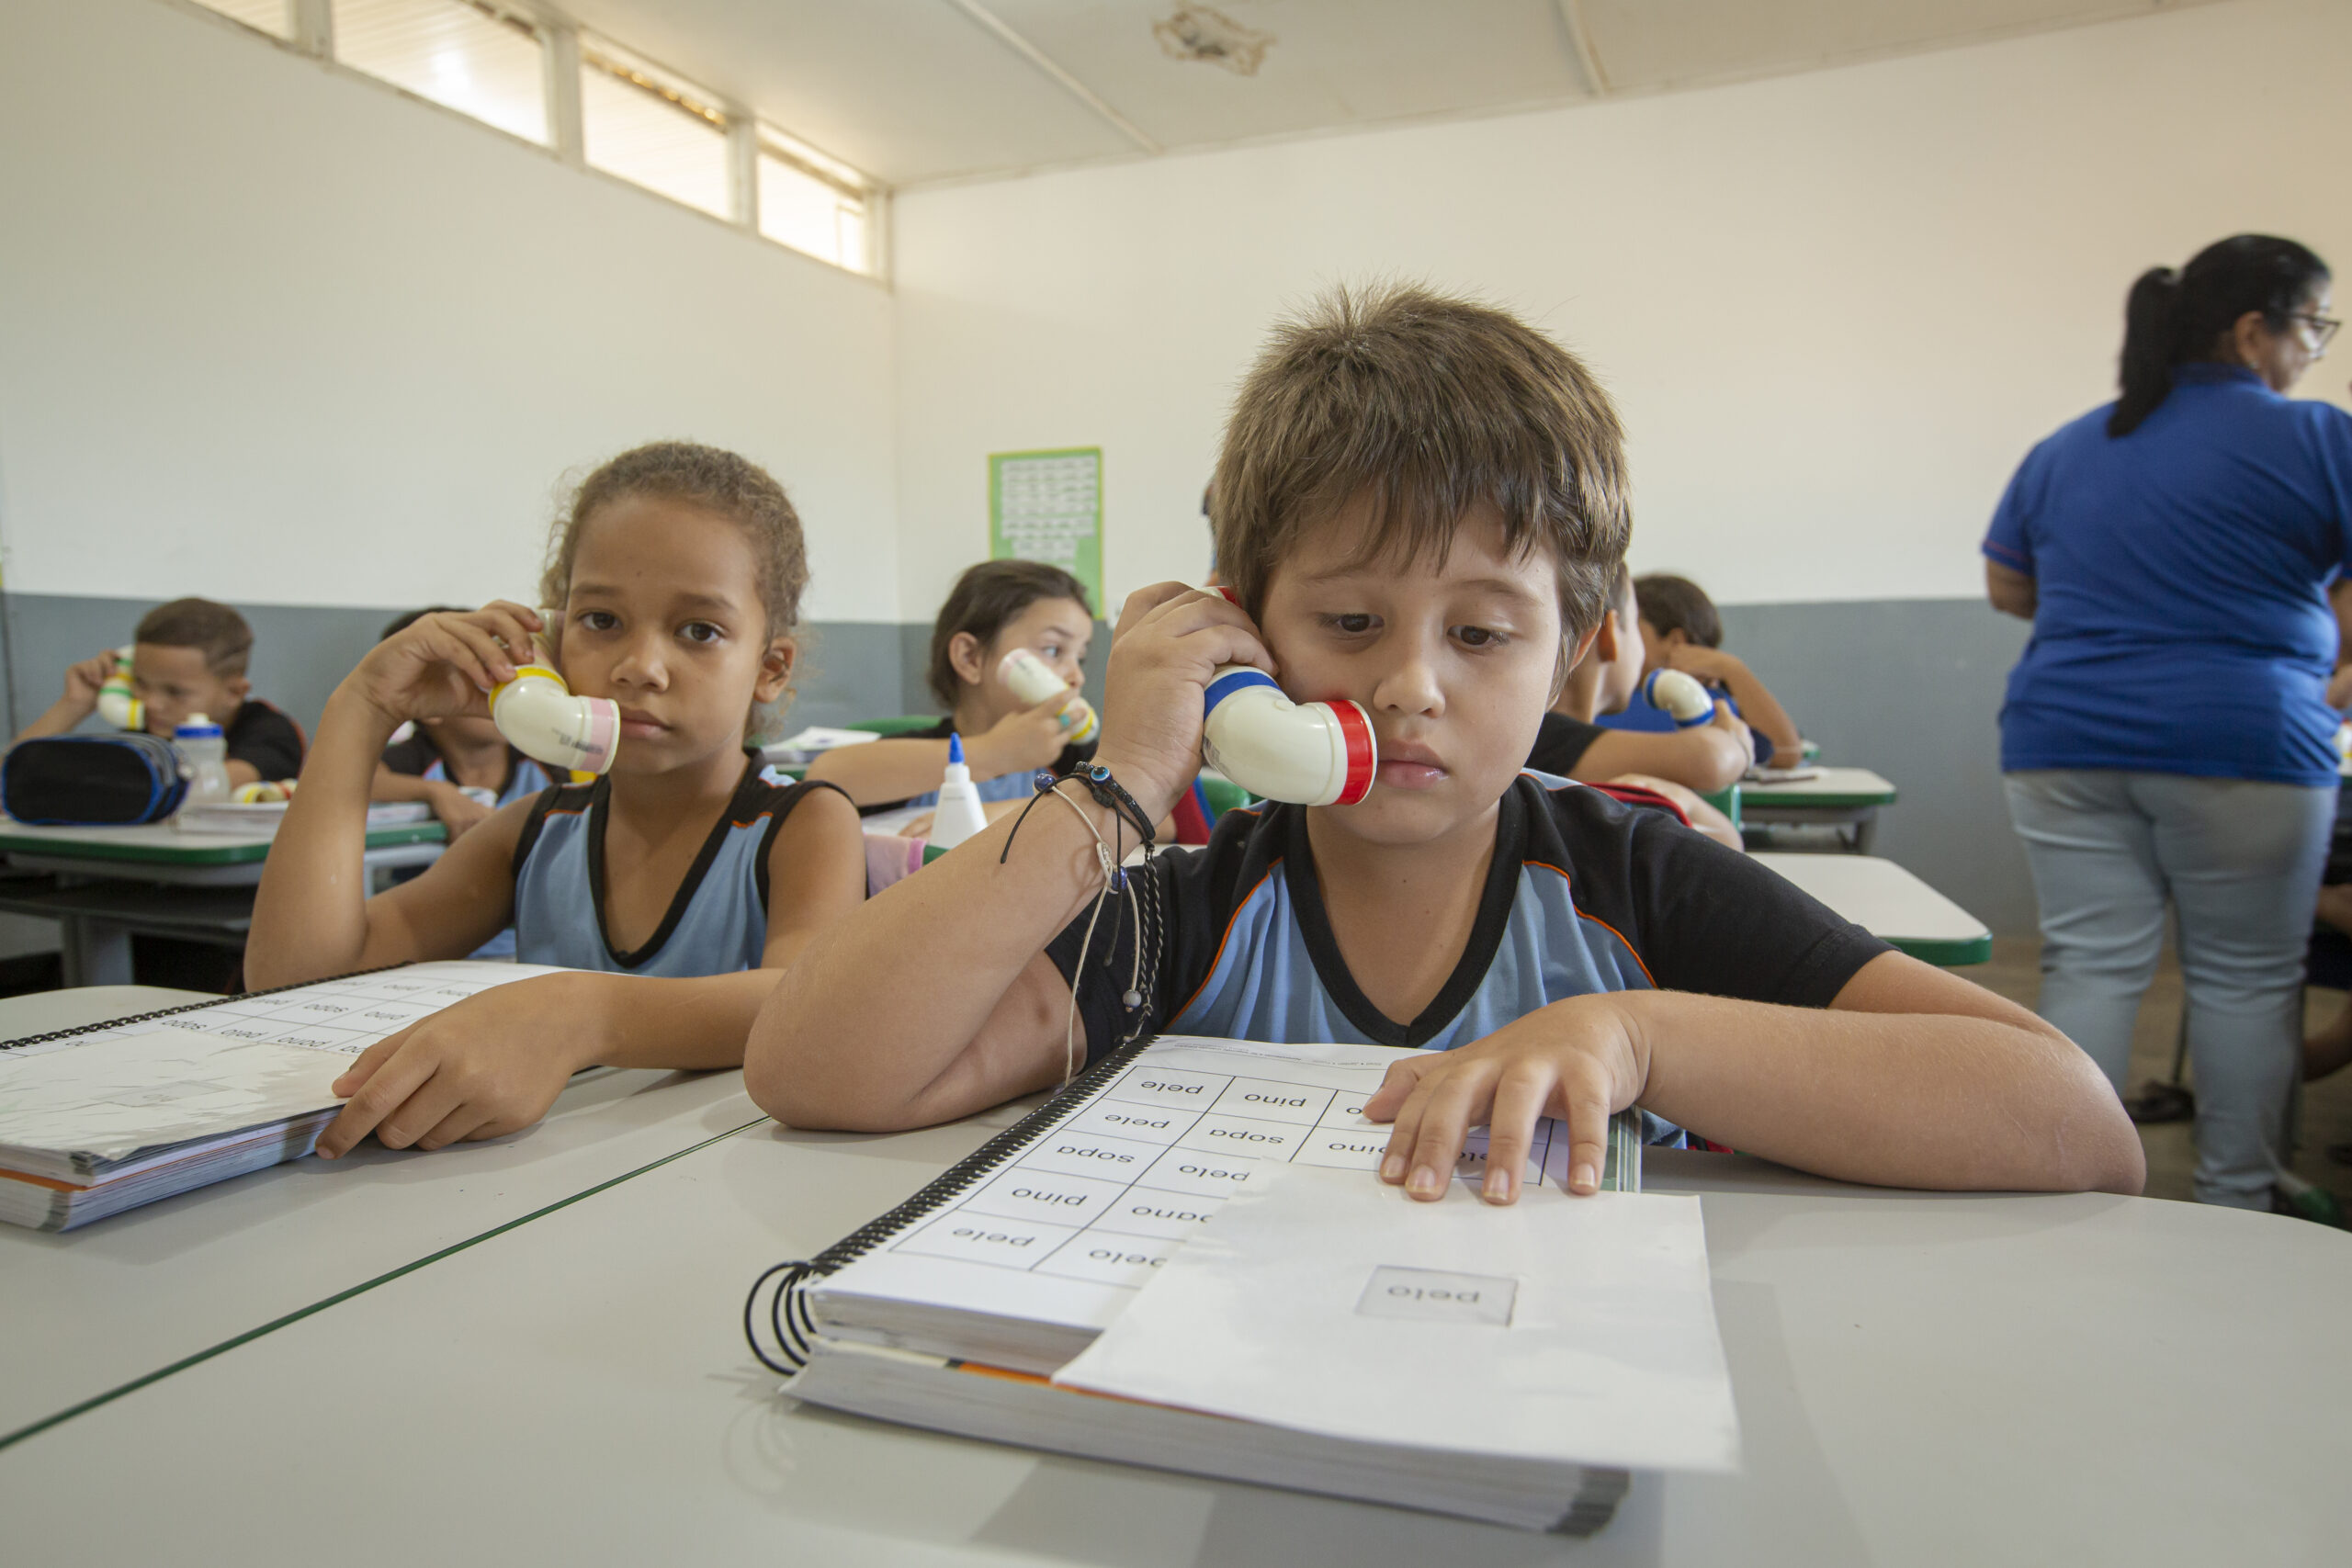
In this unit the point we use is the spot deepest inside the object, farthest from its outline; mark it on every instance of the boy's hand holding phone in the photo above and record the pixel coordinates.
(1170, 642)
(1580, 1060)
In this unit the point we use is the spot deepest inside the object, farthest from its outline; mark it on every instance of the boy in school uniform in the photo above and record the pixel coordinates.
(1682, 630)
(1677, 764)
(188, 658)
(1419, 504)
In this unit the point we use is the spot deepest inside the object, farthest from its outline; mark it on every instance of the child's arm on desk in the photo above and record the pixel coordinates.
(1705, 757)
(495, 1062)
(877, 771)
(949, 965)
(452, 807)
(1911, 1078)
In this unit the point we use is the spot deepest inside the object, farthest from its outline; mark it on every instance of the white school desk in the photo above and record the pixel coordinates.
(1921, 1379)
(112, 876)
(1891, 904)
(119, 1299)
(1842, 799)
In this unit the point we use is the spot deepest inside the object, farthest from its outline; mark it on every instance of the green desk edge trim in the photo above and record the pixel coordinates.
(298, 1314)
(218, 854)
(1945, 952)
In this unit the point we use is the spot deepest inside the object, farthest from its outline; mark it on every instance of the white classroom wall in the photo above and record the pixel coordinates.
(280, 336)
(1836, 309)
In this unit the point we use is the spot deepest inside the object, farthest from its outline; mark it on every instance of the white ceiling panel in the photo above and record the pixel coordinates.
(905, 90)
(914, 91)
(1325, 64)
(1652, 44)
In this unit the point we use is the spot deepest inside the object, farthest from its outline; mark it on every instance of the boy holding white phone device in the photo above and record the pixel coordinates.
(1420, 507)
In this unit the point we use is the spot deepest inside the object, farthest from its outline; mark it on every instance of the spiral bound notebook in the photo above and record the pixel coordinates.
(953, 1310)
(106, 1117)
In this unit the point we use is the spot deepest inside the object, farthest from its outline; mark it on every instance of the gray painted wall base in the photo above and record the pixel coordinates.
(1910, 688)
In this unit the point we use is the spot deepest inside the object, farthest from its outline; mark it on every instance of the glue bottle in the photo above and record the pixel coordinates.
(959, 814)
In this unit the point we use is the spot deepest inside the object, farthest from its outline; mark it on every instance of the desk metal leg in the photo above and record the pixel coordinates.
(1865, 831)
(95, 952)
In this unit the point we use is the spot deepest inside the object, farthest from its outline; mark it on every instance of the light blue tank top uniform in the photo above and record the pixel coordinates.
(716, 923)
(523, 777)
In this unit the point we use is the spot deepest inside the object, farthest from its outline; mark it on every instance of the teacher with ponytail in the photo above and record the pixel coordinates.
(2167, 733)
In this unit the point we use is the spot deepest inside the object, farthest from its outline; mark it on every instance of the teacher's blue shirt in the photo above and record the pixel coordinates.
(2182, 623)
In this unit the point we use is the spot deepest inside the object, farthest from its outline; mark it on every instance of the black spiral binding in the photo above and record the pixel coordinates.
(184, 1007)
(788, 1318)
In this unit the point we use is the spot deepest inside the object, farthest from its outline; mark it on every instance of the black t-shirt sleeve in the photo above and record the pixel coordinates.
(266, 738)
(1714, 922)
(1561, 743)
(411, 756)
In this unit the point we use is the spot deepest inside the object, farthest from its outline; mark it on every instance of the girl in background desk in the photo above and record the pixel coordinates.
(994, 608)
(684, 882)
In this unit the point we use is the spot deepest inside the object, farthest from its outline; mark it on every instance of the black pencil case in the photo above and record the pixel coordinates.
(92, 780)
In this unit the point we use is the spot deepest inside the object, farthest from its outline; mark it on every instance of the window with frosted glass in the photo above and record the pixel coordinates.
(635, 124)
(475, 59)
(800, 208)
(275, 17)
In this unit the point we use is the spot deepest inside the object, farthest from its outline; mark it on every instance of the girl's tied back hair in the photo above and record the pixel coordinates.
(1429, 404)
(983, 602)
(1677, 604)
(2172, 318)
(706, 477)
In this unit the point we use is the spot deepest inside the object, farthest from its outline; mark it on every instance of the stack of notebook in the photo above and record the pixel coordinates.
(953, 1311)
(97, 1120)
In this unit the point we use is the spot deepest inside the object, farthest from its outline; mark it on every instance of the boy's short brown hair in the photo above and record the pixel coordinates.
(983, 599)
(220, 631)
(1430, 404)
(1677, 604)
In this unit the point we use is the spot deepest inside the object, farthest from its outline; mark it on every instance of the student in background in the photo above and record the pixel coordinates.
(451, 763)
(1679, 764)
(680, 877)
(189, 657)
(1419, 506)
(995, 607)
(1682, 630)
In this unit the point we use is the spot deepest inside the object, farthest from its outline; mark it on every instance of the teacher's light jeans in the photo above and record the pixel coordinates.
(2240, 861)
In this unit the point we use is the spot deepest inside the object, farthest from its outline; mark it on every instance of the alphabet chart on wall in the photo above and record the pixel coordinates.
(1067, 1230)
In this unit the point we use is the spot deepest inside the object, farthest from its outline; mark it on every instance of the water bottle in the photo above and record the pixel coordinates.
(204, 760)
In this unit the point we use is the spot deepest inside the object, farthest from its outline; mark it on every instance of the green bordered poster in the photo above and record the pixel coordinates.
(1047, 506)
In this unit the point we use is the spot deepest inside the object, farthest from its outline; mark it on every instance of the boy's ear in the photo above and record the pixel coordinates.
(775, 668)
(238, 687)
(964, 652)
(1572, 655)
(1604, 639)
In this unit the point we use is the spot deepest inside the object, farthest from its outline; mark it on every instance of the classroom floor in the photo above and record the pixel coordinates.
(2015, 973)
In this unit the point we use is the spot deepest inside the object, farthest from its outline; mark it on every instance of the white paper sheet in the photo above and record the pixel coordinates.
(1577, 1329)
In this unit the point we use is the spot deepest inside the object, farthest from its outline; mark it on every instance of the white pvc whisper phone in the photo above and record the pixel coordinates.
(539, 716)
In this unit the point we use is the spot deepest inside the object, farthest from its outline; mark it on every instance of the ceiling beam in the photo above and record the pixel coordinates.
(1070, 84)
(1596, 81)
